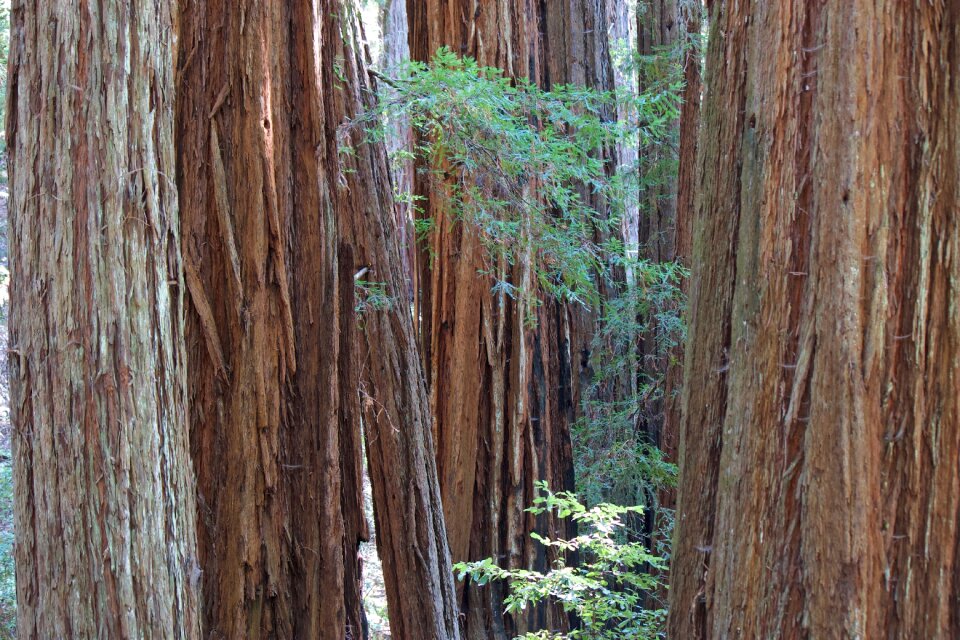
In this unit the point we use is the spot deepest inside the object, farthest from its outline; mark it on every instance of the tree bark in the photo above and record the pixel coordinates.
(658, 35)
(666, 229)
(396, 52)
(411, 534)
(104, 490)
(623, 43)
(276, 433)
(658, 31)
(820, 495)
(272, 217)
(503, 393)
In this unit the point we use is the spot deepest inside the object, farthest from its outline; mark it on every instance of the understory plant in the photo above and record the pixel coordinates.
(607, 592)
(615, 460)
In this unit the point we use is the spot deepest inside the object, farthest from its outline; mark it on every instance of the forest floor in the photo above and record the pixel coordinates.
(374, 591)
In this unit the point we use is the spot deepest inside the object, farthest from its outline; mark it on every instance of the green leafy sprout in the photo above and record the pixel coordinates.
(608, 591)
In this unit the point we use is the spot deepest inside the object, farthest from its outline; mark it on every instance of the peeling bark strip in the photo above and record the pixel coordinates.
(820, 493)
(503, 395)
(105, 505)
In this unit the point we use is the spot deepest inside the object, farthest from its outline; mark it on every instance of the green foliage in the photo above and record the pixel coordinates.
(523, 167)
(614, 460)
(371, 296)
(606, 590)
(8, 588)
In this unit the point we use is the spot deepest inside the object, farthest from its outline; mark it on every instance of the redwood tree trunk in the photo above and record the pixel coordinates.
(269, 225)
(411, 535)
(503, 394)
(658, 33)
(666, 25)
(658, 36)
(820, 493)
(394, 32)
(104, 512)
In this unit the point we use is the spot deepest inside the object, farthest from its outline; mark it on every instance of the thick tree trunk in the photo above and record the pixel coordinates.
(104, 511)
(820, 494)
(269, 218)
(276, 445)
(503, 394)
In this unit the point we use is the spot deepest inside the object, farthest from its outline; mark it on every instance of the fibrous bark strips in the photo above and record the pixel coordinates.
(504, 390)
(275, 224)
(820, 435)
(104, 501)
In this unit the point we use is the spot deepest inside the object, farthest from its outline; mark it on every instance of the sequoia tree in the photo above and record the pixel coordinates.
(505, 373)
(104, 506)
(820, 493)
(271, 212)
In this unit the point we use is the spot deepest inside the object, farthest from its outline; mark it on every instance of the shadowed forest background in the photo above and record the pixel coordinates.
(441, 319)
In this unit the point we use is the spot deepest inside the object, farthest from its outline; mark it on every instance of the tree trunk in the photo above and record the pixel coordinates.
(270, 218)
(691, 14)
(411, 534)
(623, 42)
(276, 442)
(820, 494)
(671, 30)
(396, 52)
(658, 32)
(503, 394)
(104, 513)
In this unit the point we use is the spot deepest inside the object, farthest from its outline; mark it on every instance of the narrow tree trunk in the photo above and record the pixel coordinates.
(623, 42)
(691, 13)
(670, 31)
(399, 140)
(276, 436)
(104, 511)
(503, 394)
(411, 534)
(658, 32)
(820, 493)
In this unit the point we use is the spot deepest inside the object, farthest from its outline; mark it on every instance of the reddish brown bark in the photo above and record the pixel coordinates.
(275, 437)
(104, 491)
(658, 33)
(688, 16)
(411, 535)
(820, 495)
(503, 392)
(274, 228)
(399, 140)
